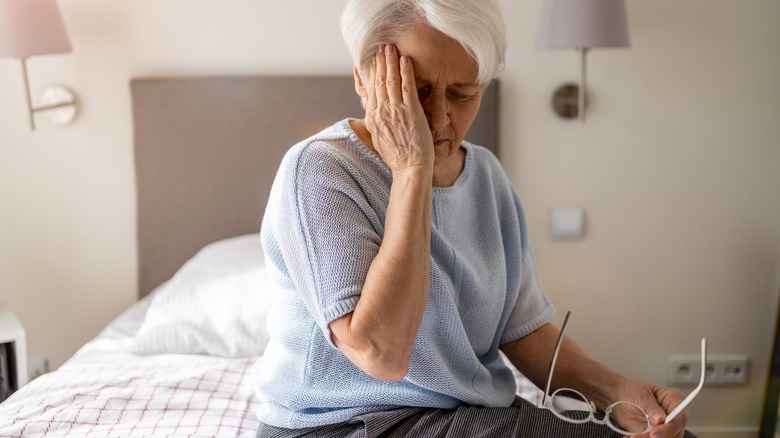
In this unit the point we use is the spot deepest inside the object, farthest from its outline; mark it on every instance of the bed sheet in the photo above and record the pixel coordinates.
(104, 391)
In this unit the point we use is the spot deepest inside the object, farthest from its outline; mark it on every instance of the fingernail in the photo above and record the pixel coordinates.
(389, 49)
(404, 60)
(380, 48)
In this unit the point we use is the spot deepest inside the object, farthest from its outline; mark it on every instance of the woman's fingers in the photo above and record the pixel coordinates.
(380, 76)
(392, 77)
(408, 82)
(393, 81)
(370, 87)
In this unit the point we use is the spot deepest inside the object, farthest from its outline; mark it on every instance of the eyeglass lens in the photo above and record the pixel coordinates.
(570, 405)
(624, 417)
(628, 418)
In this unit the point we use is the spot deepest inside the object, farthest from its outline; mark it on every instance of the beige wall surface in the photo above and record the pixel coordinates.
(677, 169)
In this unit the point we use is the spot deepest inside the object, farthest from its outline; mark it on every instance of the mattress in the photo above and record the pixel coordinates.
(105, 390)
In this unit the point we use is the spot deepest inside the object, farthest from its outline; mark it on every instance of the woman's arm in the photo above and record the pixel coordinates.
(379, 334)
(574, 369)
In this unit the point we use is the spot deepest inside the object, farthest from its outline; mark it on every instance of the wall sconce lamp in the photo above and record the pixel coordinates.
(581, 25)
(31, 28)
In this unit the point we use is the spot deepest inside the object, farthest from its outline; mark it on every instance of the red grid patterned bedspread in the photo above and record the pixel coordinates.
(171, 395)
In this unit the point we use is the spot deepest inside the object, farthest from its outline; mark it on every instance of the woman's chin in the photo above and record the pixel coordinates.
(443, 150)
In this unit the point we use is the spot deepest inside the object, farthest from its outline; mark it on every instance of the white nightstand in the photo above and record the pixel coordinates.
(12, 334)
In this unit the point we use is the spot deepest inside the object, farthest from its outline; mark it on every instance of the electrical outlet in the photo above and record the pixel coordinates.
(36, 367)
(720, 370)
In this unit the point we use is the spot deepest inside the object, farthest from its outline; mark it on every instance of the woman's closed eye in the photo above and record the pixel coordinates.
(423, 91)
(454, 95)
(460, 96)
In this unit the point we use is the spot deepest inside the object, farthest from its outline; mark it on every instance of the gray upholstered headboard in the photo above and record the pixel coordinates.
(207, 149)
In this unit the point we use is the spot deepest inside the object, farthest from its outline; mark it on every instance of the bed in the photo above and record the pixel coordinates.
(177, 362)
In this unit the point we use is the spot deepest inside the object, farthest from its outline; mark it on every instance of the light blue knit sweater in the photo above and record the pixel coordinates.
(322, 228)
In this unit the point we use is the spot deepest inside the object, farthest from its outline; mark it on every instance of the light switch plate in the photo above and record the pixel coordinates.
(568, 222)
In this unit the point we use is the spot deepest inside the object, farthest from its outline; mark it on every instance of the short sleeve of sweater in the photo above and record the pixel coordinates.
(320, 230)
(532, 309)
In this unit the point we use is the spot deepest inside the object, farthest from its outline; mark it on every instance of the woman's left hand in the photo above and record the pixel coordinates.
(657, 401)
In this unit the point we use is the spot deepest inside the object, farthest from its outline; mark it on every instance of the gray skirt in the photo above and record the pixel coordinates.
(521, 420)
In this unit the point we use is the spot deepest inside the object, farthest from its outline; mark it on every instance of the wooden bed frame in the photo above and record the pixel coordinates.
(207, 150)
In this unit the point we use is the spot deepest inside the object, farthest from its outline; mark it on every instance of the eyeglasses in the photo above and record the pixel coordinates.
(623, 416)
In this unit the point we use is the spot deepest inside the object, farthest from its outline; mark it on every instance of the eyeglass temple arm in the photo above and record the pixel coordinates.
(695, 392)
(554, 359)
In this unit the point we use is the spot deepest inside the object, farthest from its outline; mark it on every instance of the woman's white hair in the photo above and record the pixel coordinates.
(478, 25)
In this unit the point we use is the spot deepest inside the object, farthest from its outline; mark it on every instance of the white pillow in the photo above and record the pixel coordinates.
(215, 304)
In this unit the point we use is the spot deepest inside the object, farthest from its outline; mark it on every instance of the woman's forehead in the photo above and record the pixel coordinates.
(436, 57)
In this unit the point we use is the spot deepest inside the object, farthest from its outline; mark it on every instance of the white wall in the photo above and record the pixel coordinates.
(676, 167)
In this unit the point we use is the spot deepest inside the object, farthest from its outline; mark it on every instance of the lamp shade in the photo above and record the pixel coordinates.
(576, 24)
(31, 27)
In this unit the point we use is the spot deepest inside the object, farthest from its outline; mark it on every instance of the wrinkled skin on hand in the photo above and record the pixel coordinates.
(394, 116)
(656, 401)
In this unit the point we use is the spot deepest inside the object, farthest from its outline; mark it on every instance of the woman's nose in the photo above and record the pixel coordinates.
(437, 111)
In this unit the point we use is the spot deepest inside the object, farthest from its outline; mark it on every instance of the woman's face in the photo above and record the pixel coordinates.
(446, 84)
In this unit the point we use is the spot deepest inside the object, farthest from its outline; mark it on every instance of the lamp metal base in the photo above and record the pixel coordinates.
(565, 101)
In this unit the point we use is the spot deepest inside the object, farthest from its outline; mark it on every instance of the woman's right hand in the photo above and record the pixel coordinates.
(394, 116)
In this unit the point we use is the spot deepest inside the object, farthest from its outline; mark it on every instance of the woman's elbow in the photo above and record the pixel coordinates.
(387, 369)
(386, 364)
(383, 366)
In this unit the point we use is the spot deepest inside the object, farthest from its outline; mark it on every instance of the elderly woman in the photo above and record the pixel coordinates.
(401, 256)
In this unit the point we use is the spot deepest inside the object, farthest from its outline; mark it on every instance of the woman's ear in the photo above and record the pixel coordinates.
(360, 88)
